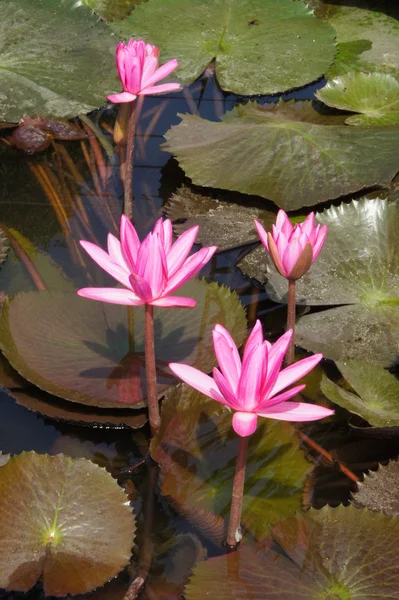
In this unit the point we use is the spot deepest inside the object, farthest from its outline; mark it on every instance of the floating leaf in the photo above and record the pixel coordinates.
(229, 224)
(196, 448)
(348, 57)
(110, 9)
(41, 71)
(379, 491)
(80, 350)
(260, 47)
(36, 400)
(377, 392)
(338, 553)
(35, 135)
(64, 520)
(374, 95)
(271, 152)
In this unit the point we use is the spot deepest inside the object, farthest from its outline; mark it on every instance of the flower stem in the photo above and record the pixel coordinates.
(150, 368)
(128, 206)
(233, 534)
(289, 357)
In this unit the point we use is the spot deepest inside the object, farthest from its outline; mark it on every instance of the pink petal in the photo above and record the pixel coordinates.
(190, 268)
(291, 255)
(225, 389)
(262, 234)
(296, 411)
(181, 249)
(281, 397)
(112, 295)
(252, 375)
(104, 261)
(115, 251)
(295, 372)
(159, 89)
(283, 224)
(198, 380)
(152, 258)
(161, 73)
(321, 238)
(254, 340)
(130, 242)
(172, 301)
(275, 357)
(150, 66)
(167, 236)
(140, 287)
(307, 226)
(122, 97)
(244, 423)
(227, 355)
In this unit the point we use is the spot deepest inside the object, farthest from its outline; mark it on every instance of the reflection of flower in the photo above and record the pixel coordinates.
(253, 388)
(293, 248)
(137, 64)
(150, 270)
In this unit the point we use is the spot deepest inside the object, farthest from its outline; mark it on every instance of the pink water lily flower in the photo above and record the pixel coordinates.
(150, 270)
(137, 64)
(254, 387)
(293, 248)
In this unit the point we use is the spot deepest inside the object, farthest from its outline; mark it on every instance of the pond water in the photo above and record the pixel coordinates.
(74, 361)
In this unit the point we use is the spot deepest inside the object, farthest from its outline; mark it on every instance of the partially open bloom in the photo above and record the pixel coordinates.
(253, 387)
(293, 248)
(150, 270)
(137, 64)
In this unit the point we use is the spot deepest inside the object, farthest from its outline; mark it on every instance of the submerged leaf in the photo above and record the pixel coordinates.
(93, 353)
(380, 490)
(285, 153)
(374, 95)
(259, 46)
(41, 70)
(342, 553)
(196, 448)
(377, 392)
(64, 520)
(110, 10)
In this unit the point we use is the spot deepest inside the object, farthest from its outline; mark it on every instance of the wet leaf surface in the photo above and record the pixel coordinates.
(260, 47)
(379, 491)
(66, 520)
(283, 152)
(82, 350)
(196, 448)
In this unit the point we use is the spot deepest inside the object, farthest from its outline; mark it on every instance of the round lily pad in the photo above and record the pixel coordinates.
(63, 520)
(374, 95)
(285, 153)
(342, 553)
(379, 491)
(93, 353)
(41, 71)
(196, 448)
(223, 221)
(259, 46)
(377, 392)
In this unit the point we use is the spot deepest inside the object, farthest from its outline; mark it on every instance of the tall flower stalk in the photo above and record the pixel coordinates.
(138, 69)
(149, 271)
(252, 388)
(293, 250)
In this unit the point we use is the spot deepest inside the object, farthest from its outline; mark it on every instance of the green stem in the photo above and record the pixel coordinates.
(289, 357)
(150, 369)
(128, 206)
(233, 534)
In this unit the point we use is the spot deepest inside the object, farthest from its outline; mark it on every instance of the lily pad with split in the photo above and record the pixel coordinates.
(93, 353)
(284, 152)
(63, 520)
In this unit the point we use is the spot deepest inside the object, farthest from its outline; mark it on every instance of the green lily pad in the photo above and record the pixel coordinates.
(40, 402)
(285, 153)
(110, 10)
(79, 350)
(377, 392)
(379, 491)
(260, 46)
(196, 448)
(359, 267)
(342, 553)
(64, 520)
(41, 71)
(374, 95)
(227, 223)
(348, 57)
